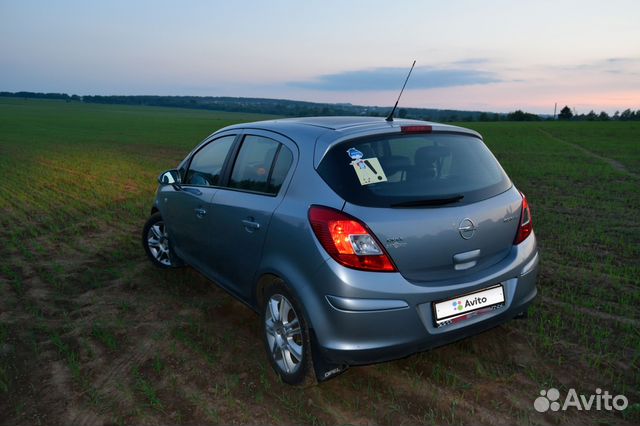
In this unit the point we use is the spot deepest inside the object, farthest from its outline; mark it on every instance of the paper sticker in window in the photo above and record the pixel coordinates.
(368, 171)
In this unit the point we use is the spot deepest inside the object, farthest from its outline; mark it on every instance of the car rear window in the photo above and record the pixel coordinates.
(398, 170)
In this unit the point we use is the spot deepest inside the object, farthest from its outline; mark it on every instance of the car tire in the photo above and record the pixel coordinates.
(285, 335)
(155, 241)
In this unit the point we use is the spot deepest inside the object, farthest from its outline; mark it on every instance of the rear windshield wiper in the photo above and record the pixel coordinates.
(429, 202)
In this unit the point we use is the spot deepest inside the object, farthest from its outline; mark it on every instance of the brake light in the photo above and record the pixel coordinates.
(416, 129)
(348, 240)
(526, 224)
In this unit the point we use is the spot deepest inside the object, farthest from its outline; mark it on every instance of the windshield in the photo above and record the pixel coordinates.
(413, 170)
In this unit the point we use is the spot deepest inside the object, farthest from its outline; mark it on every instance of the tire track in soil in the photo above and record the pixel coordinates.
(443, 399)
(56, 395)
(613, 163)
(591, 312)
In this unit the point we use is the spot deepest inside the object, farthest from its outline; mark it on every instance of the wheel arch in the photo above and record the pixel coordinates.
(296, 283)
(261, 286)
(270, 277)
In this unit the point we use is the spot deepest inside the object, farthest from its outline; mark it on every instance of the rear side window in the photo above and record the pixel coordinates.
(399, 170)
(261, 165)
(280, 169)
(206, 164)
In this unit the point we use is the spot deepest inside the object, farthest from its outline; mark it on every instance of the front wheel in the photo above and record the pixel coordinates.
(286, 336)
(156, 243)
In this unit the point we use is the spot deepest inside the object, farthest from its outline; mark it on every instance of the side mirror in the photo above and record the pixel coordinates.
(170, 177)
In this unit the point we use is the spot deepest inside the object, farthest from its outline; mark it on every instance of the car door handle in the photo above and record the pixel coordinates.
(200, 212)
(250, 225)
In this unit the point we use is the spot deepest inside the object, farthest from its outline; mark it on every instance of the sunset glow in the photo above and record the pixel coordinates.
(491, 56)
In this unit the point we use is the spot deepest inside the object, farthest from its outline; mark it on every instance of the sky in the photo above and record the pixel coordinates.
(473, 55)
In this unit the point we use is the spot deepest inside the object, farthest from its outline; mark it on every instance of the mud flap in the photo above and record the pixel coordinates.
(324, 369)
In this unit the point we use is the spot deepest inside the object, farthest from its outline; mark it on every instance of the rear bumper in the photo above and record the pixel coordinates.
(374, 317)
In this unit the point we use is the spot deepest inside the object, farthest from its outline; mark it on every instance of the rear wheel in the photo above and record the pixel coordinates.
(156, 243)
(286, 336)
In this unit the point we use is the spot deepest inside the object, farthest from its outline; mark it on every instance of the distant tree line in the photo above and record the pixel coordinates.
(626, 115)
(27, 95)
(305, 109)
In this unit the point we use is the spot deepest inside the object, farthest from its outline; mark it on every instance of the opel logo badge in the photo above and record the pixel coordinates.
(467, 228)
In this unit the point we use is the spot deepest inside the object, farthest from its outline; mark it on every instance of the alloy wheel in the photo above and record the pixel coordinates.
(158, 243)
(284, 334)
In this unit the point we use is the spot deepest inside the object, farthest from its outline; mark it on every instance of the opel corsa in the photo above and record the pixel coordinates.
(357, 240)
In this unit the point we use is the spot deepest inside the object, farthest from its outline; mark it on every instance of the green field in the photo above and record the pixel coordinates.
(92, 333)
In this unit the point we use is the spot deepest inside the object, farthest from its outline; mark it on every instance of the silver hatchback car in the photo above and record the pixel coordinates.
(356, 239)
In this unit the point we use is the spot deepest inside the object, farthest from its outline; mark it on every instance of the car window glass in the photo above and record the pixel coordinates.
(206, 165)
(280, 169)
(397, 169)
(253, 167)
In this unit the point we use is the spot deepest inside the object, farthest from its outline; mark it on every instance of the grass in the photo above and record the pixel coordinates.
(583, 214)
(105, 336)
(5, 361)
(140, 345)
(616, 140)
(148, 391)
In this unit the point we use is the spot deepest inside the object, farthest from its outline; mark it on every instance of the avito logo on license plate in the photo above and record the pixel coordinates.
(450, 309)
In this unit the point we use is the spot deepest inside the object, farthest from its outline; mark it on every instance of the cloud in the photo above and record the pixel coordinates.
(630, 60)
(619, 65)
(629, 66)
(392, 79)
(473, 61)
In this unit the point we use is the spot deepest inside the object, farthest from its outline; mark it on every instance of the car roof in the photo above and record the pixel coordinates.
(332, 123)
(320, 133)
(344, 124)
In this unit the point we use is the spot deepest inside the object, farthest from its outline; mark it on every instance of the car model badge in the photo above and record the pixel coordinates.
(467, 228)
(396, 242)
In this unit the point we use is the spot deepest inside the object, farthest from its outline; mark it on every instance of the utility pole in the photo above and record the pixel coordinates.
(554, 110)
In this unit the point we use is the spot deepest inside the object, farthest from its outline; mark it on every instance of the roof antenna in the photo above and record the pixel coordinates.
(390, 116)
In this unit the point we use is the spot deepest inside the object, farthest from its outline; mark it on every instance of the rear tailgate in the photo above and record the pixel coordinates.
(441, 243)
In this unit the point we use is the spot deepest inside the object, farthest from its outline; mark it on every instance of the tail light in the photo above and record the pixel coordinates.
(526, 224)
(348, 240)
(416, 129)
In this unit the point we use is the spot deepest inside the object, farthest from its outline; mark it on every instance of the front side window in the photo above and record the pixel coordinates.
(261, 166)
(206, 164)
